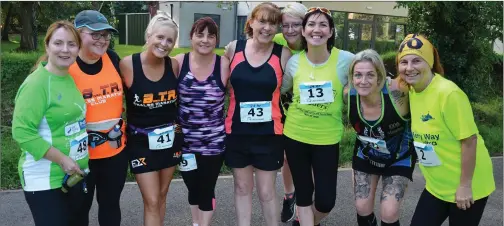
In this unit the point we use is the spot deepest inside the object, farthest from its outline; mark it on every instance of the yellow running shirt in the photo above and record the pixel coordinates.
(314, 116)
(441, 116)
(280, 40)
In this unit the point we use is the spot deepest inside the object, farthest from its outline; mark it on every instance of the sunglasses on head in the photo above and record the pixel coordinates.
(320, 9)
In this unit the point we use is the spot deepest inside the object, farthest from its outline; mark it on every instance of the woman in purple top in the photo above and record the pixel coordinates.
(202, 81)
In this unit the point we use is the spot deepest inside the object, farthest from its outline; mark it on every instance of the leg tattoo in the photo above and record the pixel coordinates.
(394, 186)
(362, 185)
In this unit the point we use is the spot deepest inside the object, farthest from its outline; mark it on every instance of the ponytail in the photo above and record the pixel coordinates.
(437, 67)
(41, 59)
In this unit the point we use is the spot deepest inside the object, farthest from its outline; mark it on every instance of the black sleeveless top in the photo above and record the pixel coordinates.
(252, 84)
(150, 104)
(390, 127)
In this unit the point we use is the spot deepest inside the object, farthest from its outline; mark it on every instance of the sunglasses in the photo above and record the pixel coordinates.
(166, 18)
(320, 9)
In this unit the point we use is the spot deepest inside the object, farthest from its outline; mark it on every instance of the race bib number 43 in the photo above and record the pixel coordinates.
(255, 111)
(79, 147)
(316, 92)
(161, 138)
(426, 154)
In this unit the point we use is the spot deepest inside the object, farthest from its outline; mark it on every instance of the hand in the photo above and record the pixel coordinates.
(464, 197)
(70, 166)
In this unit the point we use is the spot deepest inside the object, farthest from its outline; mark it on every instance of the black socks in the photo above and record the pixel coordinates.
(369, 220)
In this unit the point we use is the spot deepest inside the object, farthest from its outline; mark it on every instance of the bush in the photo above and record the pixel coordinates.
(16, 64)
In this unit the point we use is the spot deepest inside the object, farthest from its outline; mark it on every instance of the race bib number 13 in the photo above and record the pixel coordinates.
(259, 111)
(426, 154)
(316, 92)
(161, 138)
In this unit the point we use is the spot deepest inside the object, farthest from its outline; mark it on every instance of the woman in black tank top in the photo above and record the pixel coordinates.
(379, 113)
(154, 139)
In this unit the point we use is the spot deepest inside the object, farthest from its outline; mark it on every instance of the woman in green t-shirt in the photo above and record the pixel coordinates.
(49, 126)
(452, 154)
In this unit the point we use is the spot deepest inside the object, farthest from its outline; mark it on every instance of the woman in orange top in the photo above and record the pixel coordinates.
(96, 73)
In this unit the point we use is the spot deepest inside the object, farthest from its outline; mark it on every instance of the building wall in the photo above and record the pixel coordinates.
(244, 8)
(381, 8)
(183, 15)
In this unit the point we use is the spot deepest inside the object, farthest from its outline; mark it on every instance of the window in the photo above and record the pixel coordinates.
(240, 33)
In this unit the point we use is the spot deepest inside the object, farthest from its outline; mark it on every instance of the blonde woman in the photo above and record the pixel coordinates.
(154, 138)
(379, 113)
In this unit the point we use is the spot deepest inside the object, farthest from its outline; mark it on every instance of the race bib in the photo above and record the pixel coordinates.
(426, 154)
(188, 163)
(376, 144)
(161, 138)
(259, 111)
(79, 147)
(316, 92)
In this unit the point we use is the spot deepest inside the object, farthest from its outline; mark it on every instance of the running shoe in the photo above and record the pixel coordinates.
(289, 208)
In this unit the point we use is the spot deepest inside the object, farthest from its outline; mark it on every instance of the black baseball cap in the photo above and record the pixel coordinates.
(93, 20)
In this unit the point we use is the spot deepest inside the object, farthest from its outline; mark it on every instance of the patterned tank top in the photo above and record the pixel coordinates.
(201, 110)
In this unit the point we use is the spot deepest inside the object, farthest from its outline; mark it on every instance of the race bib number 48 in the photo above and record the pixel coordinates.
(259, 111)
(79, 147)
(426, 154)
(161, 138)
(316, 92)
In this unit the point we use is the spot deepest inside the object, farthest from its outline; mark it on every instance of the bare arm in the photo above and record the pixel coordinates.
(229, 50)
(126, 66)
(225, 72)
(468, 160)
(346, 90)
(286, 55)
(180, 60)
(175, 67)
(399, 92)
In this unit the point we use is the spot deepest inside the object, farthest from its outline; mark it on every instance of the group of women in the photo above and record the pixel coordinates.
(69, 118)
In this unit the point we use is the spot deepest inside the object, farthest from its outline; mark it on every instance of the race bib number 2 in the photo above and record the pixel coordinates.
(161, 138)
(316, 92)
(79, 147)
(255, 111)
(426, 154)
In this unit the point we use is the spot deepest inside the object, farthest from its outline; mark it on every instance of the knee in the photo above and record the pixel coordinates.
(325, 206)
(364, 207)
(243, 188)
(266, 195)
(152, 203)
(389, 213)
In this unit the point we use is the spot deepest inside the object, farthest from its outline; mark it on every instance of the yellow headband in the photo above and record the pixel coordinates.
(417, 45)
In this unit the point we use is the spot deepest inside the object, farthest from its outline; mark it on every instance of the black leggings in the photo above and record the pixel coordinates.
(55, 208)
(323, 159)
(108, 175)
(201, 181)
(433, 212)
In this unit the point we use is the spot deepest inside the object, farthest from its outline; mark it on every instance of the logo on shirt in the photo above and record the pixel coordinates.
(156, 100)
(138, 162)
(106, 91)
(426, 118)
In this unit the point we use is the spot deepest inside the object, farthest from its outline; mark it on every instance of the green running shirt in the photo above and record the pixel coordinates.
(49, 111)
(318, 123)
(441, 115)
(279, 39)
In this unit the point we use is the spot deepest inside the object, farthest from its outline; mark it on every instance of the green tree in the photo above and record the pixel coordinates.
(463, 33)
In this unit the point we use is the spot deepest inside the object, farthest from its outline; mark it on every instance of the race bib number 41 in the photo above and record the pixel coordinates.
(316, 92)
(79, 147)
(259, 111)
(426, 154)
(161, 138)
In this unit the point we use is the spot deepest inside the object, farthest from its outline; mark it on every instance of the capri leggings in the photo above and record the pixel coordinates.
(323, 159)
(433, 212)
(201, 181)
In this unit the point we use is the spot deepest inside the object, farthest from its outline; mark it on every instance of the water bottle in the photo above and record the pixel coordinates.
(70, 181)
(114, 134)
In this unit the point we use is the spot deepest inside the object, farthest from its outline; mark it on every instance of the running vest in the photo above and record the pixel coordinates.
(386, 141)
(254, 101)
(150, 104)
(314, 116)
(280, 39)
(103, 93)
(201, 110)
(441, 116)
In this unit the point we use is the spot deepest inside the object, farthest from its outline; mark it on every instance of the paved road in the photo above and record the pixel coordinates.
(14, 211)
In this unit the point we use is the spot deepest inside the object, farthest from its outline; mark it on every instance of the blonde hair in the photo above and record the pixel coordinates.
(374, 58)
(161, 18)
(50, 31)
(295, 9)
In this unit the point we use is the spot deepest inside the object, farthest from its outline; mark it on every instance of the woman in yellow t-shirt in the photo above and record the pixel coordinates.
(451, 153)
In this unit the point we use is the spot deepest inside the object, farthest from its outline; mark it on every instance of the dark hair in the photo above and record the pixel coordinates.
(202, 23)
(266, 11)
(50, 31)
(330, 41)
(437, 67)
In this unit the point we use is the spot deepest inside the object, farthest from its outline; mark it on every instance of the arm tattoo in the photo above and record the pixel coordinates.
(394, 186)
(398, 97)
(362, 185)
